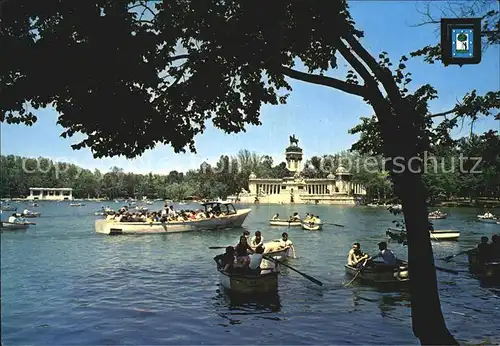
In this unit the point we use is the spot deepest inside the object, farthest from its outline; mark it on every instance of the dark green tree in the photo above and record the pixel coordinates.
(129, 81)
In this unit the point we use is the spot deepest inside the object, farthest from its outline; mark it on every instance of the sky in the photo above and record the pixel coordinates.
(319, 117)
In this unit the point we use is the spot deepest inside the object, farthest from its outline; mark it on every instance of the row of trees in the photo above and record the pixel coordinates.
(469, 168)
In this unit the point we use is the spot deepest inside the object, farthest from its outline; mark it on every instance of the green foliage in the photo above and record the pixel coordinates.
(172, 65)
(228, 177)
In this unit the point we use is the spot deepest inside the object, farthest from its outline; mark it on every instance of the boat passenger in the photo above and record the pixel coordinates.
(488, 215)
(13, 219)
(246, 234)
(307, 217)
(226, 261)
(257, 240)
(295, 217)
(287, 242)
(276, 217)
(387, 255)
(483, 250)
(356, 257)
(242, 250)
(256, 260)
(26, 212)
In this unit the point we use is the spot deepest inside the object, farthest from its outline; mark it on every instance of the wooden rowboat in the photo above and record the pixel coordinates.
(311, 226)
(266, 282)
(488, 270)
(14, 226)
(285, 223)
(378, 274)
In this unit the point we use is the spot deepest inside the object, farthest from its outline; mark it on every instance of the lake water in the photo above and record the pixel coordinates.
(63, 284)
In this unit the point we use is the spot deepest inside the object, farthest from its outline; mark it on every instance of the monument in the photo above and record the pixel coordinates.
(336, 188)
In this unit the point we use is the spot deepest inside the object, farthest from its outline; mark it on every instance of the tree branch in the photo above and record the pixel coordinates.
(442, 114)
(324, 80)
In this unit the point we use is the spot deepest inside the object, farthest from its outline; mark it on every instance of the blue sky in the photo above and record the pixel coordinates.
(319, 117)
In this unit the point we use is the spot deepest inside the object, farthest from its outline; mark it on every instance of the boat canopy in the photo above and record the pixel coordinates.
(227, 207)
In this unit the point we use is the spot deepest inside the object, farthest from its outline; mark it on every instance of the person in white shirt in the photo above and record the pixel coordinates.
(26, 212)
(257, 240)
(287, 242)
(387, 255)
(13, 219)
(256, 260)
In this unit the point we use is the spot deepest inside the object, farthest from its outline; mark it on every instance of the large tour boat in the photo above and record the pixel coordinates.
(232, 218)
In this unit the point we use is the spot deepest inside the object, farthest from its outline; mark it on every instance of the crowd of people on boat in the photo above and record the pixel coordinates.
(247, 255)
(357, 258)
(167, 214)
(489, 251)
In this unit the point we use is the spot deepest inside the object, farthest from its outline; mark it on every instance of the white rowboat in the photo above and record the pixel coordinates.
(285, 223)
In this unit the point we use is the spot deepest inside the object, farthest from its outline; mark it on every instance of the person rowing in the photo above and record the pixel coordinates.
(388, 257)
(356, 257)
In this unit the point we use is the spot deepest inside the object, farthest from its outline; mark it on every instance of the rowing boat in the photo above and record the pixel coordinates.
(233, 218)
(437, 235)
(29, 215)
(286, 223)
(488, 270)
(278, 249)
(266, 282)
(487, 220)
(379, 274)
(7, 208)
(311, 226)
(13, 226)
(437, 216)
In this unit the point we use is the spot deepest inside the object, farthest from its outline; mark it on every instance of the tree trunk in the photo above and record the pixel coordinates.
(427, 318)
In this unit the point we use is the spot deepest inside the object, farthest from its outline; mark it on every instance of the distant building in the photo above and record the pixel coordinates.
(50, 194)
(336, 188)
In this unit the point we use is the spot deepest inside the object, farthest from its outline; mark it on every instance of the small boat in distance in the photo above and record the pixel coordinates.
(29, 215)
(76, 204)
(437, 215)
(7, 207)
(436, 235)
(487, 218)
(285, 223)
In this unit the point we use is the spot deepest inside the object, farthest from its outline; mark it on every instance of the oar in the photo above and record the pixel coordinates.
(308, 277)
(333, 224)
(358, 272)
(217, 247)
(447, 258)
(446, 270)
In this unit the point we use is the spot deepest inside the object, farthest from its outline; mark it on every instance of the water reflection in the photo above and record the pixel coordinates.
(386, 301)
(248, 304)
